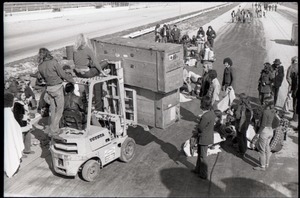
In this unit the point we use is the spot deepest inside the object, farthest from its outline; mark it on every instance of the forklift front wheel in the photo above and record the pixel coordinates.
(90, 170)
(127, 150)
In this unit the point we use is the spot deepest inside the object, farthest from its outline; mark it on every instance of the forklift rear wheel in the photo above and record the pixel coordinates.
(127, 150)
(90, 170)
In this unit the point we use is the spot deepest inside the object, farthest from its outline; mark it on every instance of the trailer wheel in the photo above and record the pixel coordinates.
(127, 150)
(90, 170)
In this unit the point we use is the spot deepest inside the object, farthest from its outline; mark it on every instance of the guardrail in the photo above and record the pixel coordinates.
(151, 29)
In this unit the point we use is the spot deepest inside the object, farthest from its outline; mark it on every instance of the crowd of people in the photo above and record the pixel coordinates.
(61, 95)
(208, 89)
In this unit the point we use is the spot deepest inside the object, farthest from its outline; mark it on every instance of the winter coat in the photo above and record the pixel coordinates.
(211, 34)
(228, 77)
(206, 128)
(265, 82)
(279, 75)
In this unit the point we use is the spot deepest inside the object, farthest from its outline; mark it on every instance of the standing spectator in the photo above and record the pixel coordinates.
(269, 7)
(157, 33)
(54, 75)
(205, 82)
(228, 75)
(265, 133)
(200, 31)
(233, 16)
(205, 133)
(169, 36)
(275, 7)
(13, 143)
(293, 81)
(85, 60)
(215, 87)
(211, 35)
(200, 42)
(175, 34)
(278, 72)
(164, 33)
(265, 82)
(21, 114)
(243, 116)
(207, 53)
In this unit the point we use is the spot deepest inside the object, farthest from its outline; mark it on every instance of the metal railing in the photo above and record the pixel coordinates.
(11, 7)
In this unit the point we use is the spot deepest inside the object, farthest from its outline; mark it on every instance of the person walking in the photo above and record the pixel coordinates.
(265, 133)
(233, 16)
(265, 82)
(228, 75)
(278, 72)
(53, 74)
(243, 116)
(293, 81)
(205, 134)
(211, 36)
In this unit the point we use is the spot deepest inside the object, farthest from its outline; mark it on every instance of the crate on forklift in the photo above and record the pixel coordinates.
(148, 65)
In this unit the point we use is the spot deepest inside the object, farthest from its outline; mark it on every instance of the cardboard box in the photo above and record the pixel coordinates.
(154, 66)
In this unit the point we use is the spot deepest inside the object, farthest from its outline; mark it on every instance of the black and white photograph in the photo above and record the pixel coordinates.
(150, 99)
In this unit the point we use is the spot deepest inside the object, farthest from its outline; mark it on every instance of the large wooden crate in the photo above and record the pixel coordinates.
(157, 109)
(154, 66)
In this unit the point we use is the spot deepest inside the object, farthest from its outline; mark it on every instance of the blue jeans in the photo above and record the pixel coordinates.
(264, 146)
(55, 97)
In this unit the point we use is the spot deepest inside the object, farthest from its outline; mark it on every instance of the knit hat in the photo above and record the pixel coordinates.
(8, 99)
(227, 60)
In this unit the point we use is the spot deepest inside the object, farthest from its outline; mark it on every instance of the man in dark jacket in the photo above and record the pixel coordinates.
(205, 130)
(278, 71)
(228, 75)
(74, 105)
(175, 34)
(211, 35)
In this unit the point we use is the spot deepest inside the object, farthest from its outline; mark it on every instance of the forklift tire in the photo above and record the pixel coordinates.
(127, 150)
(90, 170)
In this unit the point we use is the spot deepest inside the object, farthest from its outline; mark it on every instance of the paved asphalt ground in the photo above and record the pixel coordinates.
(160, 168)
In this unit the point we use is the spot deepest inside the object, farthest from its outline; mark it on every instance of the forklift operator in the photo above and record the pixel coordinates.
(75, 106)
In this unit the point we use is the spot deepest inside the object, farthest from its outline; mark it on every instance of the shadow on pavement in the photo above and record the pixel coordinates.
(283, 42)
(182, 183)
(295, 139)
(143, 138)
(187, 115)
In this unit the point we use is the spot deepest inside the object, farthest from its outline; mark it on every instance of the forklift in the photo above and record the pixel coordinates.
(86, 147)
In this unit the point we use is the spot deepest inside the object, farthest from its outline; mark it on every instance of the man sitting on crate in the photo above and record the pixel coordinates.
(75, 109)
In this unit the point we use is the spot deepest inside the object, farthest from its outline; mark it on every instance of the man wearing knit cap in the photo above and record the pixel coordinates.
(228, 76)
(293, 81)
(278, 72)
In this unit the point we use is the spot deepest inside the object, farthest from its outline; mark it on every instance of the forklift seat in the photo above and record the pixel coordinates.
(73, 118)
